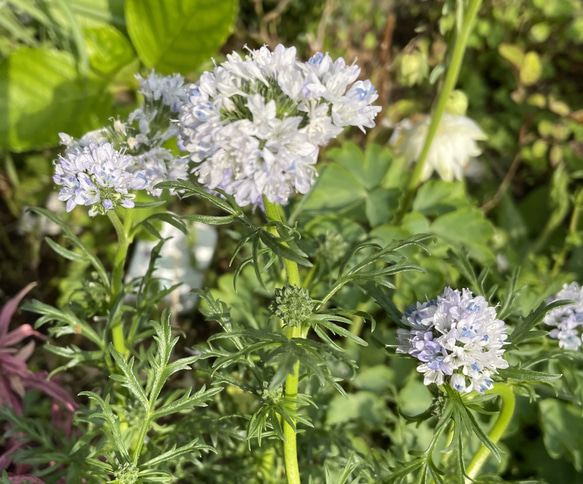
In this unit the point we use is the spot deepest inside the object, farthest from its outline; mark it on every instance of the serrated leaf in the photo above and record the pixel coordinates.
(178, 35)
(129, 378)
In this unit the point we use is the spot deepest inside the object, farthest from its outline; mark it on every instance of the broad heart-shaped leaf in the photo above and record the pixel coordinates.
(178, 35)
(42, 94)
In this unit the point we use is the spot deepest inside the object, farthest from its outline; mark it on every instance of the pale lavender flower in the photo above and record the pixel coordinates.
(255, 124)
(457, 338)
(98, 176)
(567, 320)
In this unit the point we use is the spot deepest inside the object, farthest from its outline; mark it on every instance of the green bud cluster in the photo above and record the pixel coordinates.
(293, 305)
(128, 473)
(271, 396)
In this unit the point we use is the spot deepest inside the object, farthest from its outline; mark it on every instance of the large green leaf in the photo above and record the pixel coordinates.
(178, 35)
(563, 430)
(108, 49)
(42, 94)
(466, 225)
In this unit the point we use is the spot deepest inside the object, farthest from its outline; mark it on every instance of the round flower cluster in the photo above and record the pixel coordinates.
(567, 320)
(97, 175)
(457, 338)
(104, 167)
(452, 147)
(254, 125)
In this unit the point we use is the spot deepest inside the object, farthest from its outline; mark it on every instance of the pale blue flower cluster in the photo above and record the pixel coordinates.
(254, 125)
(457, 338)
(105, 167)
(567, 320)
(96, 175)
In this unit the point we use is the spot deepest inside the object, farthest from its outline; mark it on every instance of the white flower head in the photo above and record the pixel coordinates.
(254, 125)
(452, 147)
(457, 339)
(567, 320)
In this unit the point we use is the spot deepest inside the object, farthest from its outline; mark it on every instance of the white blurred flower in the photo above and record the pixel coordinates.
(182, 260)
(567, 320)
(457, 338)
(254, 125)
(452, 147)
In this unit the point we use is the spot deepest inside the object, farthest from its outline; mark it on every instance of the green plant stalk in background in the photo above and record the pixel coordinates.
(506, 411)
(290, 451)
(448, 86)
(124, 239)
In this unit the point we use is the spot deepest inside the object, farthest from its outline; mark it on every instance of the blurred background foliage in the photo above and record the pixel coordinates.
(69, 65)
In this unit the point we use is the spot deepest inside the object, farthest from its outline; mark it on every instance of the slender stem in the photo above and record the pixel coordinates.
(123, 242)
(506, 412)
(560, 260)
(448, 85)
(290, 448)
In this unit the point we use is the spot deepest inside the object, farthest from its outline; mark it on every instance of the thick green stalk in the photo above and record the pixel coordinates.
(123, 243)
(506, 412)
(448, 86)
(290, 450)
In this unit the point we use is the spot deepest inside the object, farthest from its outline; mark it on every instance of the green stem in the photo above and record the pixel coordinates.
(448, 85)
(506, 412)
(123, 243)
(290, 449)
(560, 260)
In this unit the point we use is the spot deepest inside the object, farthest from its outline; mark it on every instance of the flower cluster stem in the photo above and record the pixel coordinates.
(124, 240)
(448, 86)
(506, 412)
(290, 451)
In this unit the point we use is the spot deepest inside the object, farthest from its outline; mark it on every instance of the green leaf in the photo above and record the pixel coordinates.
(95, 262)
(523, 328)
(528, 376)
(108, 49)
(531, 69)
(42, 94)
(66, 253)
(129, 378)
(336, 189)
(467, 225)
(512, 53)
(437, 197)
(562, 427)
(179, 35)
(381, 204)
(362, 406)
(369, 167)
